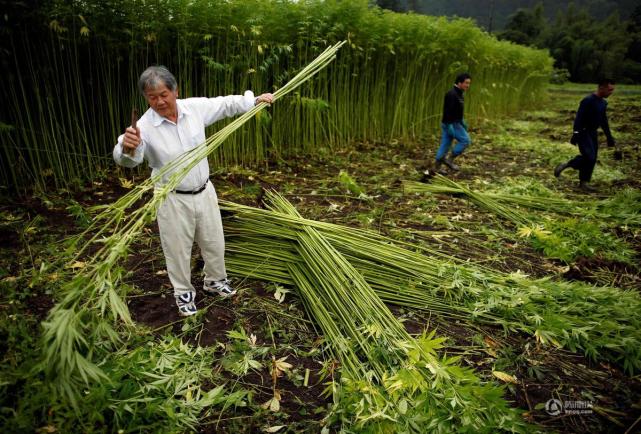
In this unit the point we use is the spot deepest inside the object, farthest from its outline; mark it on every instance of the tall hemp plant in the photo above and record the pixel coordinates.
(65, 99)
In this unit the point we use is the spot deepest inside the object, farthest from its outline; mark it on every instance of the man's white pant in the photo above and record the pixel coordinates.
(183, 218)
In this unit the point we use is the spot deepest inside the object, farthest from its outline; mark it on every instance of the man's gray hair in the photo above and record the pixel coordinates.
(155, 76)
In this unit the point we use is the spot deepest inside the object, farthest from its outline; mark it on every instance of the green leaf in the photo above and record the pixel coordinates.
(402, 406)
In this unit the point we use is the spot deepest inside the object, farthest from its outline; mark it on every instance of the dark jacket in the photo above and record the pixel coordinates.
(453, 106)
(591, 115)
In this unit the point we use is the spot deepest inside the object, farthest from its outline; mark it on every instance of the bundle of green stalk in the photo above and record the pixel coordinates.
(564, 239)
(83, 326)
(624, 208)
(601, 322)
(441, 184)
(390, 382)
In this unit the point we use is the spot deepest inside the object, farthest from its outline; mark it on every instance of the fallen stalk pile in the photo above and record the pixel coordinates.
(445, 185)
(605, 210)
(595, 320)
(566, 239)
(389, 380)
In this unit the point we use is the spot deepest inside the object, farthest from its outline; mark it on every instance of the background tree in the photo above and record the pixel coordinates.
(393, 5)
(498, 12)
(525, 26)
(587, 38)
(586, 47)
(632, 63)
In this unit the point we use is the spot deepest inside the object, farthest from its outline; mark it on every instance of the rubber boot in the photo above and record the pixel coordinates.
(449, 163)
(438, 167)
(559, 169)
(583, 185)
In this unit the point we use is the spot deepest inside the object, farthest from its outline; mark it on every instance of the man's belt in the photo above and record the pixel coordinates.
(200, 190)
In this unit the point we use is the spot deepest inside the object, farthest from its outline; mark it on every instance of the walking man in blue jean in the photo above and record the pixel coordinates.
(453, 127)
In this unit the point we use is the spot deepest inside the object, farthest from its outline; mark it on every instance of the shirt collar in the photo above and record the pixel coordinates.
(182, 109)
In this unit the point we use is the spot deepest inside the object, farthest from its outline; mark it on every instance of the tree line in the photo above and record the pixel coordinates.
(493, 15)
(588, 39)
(584, 48)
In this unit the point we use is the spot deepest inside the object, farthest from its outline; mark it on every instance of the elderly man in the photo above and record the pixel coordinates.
(589, 117)
(170, 127)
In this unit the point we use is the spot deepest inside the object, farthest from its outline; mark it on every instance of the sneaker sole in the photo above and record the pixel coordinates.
(186, 314)
(220, 294)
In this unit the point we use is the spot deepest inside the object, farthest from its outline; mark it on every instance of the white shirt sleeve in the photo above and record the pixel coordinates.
(215, 109)
(126, 160)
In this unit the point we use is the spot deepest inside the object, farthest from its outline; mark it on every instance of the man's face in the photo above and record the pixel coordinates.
(162, 100)
(465, 85)
(606, 91)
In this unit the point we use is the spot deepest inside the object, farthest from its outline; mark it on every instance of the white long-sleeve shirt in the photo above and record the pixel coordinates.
(164, 140)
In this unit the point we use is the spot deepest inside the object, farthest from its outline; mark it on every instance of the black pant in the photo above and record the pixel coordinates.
(589, 149)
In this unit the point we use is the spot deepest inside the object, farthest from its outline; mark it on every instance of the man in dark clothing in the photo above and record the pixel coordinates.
(590, 116)
(452, 125)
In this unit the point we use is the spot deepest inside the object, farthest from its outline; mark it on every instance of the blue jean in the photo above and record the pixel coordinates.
(461, 136)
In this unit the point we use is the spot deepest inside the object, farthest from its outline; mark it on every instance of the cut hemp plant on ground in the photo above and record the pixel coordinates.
(566, 240)
(601, 322)
(389, 380)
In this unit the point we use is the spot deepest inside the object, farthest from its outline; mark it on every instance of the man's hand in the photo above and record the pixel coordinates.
(575, 138)
(131, 140)
(266, 97)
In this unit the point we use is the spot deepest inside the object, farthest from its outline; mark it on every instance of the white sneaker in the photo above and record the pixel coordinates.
(186, 304)
(218, 287)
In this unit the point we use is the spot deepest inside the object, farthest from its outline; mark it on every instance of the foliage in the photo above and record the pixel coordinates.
(599, 321)
(570, 239)
(150, 385)
(242, 353)
(349, 184)
(566, 240)
(387, 83)
(587, 47)
(560, 76)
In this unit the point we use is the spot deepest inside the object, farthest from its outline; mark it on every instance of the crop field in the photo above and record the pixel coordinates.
(274, 360)
(375, 295)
